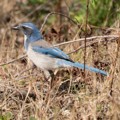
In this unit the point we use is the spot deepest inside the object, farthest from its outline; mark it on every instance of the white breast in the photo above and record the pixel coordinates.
(40, 60)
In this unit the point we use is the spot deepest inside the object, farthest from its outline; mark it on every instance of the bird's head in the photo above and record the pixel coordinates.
(30, 31)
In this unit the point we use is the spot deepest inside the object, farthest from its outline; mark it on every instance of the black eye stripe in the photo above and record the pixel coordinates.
(24, 28)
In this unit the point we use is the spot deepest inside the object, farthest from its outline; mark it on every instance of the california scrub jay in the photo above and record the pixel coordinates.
(44, 55)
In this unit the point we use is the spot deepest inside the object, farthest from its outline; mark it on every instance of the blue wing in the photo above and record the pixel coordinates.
(52, 51)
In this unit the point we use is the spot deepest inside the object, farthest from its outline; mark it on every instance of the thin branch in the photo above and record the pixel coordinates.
(89, 38)
(57, 14)
(114, 64)
(89, 44)
(86, 20)
(32, 67)
(13, 60)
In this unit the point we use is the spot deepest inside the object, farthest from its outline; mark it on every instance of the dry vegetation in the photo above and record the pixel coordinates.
(29, 97)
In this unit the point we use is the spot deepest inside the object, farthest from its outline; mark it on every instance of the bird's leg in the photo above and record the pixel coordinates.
(46, 75)
(49, 75)
(52, 78)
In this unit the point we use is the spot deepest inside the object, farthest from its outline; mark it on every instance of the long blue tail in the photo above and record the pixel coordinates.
(64, 63)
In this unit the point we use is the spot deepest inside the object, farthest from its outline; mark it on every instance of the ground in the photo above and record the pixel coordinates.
(75, 95)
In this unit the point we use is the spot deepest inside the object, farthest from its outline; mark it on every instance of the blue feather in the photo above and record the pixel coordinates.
(52, 51)
(79, 65)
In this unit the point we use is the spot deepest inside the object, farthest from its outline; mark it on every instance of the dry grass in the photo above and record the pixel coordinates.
(72, 97)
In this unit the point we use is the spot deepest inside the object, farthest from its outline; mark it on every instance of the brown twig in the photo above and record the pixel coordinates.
(13, 60)
(89, 38)
(114, 63)
(32, 67)
(86, 20)
(45, 20)
(87, 45)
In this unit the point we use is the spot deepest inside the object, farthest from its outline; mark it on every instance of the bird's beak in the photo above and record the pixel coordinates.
(16, 27)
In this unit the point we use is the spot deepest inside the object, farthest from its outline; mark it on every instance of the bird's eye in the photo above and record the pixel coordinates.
(24, 28)
(27, 30)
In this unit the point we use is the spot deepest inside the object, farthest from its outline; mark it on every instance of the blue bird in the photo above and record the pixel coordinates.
(44, 55)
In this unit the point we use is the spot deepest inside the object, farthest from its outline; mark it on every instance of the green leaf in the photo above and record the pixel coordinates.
(32, 118)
